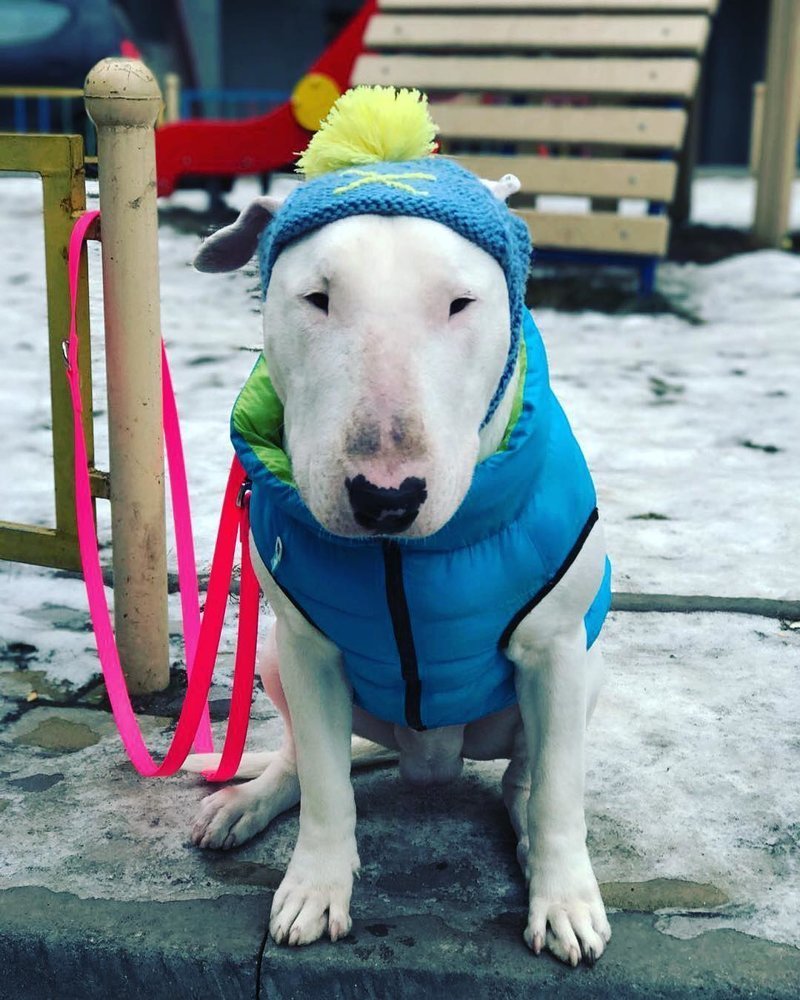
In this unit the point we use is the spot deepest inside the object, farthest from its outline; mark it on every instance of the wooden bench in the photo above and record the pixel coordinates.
(581, 99)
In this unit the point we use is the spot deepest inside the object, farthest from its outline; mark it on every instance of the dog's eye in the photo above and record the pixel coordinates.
(319, 300)
(459, 305)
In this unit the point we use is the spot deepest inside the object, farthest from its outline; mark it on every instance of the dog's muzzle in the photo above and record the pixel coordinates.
(386, 510)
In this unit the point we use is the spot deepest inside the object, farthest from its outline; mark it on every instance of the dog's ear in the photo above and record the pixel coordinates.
(504, 188)
(234, 245)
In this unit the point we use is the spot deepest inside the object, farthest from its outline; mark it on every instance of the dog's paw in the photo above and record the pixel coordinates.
(233, 815)
(228, 818)
(566, 914)
(313, 898)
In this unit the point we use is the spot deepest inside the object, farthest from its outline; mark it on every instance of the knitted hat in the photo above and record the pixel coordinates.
(369, 159)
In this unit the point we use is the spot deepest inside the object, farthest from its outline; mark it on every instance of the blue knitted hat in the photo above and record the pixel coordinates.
(428, 187)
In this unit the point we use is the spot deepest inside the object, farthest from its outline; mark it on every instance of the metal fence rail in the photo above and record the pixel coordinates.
(229, 103)
(44, 110)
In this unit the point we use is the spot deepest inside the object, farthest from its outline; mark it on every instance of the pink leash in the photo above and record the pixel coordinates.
(201, 635)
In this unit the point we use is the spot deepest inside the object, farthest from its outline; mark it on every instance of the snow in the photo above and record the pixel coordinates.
(692, 763)
(731, 201)
(689, 420)
(695, 423)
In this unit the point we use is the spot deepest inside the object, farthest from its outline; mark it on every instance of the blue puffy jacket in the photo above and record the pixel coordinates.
(423, 624)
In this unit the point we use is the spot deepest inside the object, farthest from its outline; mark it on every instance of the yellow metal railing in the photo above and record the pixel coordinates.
(123, 99)
(59, 160)
(54, 92)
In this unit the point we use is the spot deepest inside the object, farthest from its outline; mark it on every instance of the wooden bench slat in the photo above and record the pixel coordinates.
(626, 6)
(675, 77)
(598, 232)
(605, 49)
(572, 175)
(684, 33)
(645, 128)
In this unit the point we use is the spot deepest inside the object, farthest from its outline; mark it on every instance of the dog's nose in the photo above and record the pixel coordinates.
(387, 510)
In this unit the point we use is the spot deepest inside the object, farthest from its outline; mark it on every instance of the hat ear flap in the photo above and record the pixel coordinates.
(504, 188)
(233, 246)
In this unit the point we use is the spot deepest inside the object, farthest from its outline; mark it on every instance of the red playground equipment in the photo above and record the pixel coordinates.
(265, 143)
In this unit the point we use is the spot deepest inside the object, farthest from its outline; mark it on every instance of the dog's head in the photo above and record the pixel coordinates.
(393, 298)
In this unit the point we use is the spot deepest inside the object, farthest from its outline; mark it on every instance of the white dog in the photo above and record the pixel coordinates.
(391, 391)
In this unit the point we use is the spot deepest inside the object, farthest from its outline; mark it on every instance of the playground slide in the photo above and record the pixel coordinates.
(258, 145)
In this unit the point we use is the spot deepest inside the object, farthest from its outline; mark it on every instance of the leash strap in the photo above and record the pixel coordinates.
(201, 635)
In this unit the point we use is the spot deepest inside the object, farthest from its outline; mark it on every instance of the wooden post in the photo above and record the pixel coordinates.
(172, 97)
(777, 162)
(756, 126)
(123, 100)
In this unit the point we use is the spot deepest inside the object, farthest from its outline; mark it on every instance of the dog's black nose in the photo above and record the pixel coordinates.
(386, 510)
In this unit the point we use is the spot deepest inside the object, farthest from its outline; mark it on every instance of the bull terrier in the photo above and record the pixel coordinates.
(423, 525)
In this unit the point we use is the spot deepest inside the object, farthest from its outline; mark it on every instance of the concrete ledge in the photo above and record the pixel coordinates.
(423, 956)
(56, 946)
(677, 604)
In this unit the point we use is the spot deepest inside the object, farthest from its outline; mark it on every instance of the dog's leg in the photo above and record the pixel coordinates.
(517, 776)
(233, 815)
(566, 911)
(315, 893)
(516, 792)
(556, 691)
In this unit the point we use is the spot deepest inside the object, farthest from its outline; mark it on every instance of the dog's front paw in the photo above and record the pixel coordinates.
(314, 897)
(566, 914)
(229, 818)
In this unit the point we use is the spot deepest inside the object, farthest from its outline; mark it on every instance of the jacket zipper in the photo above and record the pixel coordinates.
(401, 624)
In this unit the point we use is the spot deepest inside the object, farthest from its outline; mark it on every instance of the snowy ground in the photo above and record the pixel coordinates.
(692, 430)
(695, 423)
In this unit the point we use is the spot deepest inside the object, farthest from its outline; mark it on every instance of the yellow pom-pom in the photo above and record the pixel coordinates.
(370, 125)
